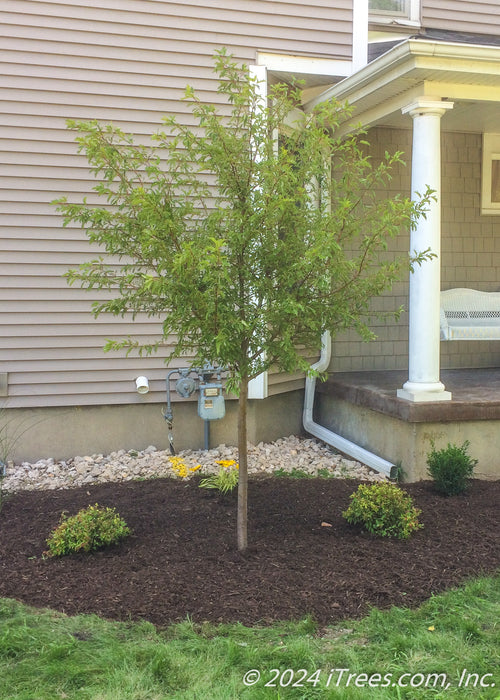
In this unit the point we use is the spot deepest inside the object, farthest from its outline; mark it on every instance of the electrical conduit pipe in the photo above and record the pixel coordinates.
(337, 441)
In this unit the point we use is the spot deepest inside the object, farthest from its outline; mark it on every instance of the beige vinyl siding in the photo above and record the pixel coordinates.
(128, 62)
(481, 16)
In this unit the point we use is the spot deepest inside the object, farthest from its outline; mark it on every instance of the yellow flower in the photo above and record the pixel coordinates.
(195, 469)
(226, 463)
(431, 628)
(178, 466)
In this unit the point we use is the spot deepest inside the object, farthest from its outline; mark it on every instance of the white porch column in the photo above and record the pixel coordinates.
(425, 281)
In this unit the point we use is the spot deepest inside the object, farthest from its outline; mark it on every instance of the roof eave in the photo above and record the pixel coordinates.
(399, 61)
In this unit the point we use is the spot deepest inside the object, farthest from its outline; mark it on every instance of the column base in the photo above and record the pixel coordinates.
(424, 391)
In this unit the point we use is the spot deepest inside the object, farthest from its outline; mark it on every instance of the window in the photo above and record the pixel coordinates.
(386, 10)
(391, 7)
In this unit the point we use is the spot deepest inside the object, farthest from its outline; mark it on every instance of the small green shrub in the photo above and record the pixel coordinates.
(451, 468)
(383, 509)
(292, 473)
(90, 529)
(225, 480)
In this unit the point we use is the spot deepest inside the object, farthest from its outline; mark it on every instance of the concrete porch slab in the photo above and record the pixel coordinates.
(363, 407)
(475, 394)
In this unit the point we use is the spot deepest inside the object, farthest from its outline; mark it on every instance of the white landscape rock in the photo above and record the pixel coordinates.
(286, 454)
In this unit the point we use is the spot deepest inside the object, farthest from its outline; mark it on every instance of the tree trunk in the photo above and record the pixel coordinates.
(241, 526)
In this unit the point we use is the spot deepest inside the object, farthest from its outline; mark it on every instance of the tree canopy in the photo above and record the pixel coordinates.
(246, 236)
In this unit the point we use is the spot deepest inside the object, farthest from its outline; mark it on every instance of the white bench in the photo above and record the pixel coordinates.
(468, 314)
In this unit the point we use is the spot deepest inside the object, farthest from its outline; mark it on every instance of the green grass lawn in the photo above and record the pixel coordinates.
(399, 653)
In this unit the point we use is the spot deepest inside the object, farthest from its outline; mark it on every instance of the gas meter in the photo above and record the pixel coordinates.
(210, 400)
(211, 404)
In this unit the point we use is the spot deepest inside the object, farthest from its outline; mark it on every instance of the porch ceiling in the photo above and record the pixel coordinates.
(466, 74)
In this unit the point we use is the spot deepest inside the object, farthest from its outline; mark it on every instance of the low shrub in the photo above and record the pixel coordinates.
(292, 473)
(295, 473)
(90, 529)
(383, 509)
(451, 468)
(225, 480)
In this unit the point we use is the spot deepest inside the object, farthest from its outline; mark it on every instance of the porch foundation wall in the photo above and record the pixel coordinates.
(408, 443)
(61, 433)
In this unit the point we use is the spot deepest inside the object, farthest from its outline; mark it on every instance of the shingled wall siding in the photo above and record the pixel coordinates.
(470, 256)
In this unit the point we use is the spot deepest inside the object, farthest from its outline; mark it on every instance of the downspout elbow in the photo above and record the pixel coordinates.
(333, 439)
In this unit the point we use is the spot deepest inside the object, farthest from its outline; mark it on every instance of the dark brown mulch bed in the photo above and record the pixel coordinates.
(182, 557)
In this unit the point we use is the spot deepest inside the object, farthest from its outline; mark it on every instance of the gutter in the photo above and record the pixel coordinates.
(408, 56)
(333, 439)
(389, 61)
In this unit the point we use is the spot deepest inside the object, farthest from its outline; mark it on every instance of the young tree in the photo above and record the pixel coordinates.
(246, 238)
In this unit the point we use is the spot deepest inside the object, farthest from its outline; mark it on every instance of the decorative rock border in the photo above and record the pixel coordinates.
(285, 454)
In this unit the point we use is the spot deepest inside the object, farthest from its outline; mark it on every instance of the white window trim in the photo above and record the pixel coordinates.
(412, 20)
(491, 152)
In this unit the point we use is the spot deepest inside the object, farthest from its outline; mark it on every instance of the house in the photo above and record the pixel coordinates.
(423, 78)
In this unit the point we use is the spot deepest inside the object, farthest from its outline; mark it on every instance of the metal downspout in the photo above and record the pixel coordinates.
(337, 441)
